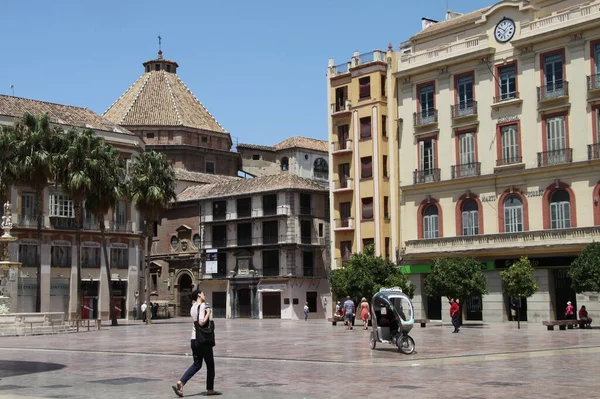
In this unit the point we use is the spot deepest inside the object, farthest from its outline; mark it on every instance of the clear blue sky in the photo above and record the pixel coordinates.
(258, 66)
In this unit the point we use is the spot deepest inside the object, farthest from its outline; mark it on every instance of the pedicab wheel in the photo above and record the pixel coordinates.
(372, 340)
(406, 344)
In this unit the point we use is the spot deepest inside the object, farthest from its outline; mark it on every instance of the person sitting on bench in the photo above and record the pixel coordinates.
(583, 316)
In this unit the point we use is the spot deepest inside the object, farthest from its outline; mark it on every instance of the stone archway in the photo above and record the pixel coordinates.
(184, 300)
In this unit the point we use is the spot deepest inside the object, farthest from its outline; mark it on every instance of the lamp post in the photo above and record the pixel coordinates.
(8, 269)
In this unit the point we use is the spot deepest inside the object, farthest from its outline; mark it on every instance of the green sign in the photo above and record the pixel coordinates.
(418, 269)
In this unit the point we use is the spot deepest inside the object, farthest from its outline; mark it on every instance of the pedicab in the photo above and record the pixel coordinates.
(392, 316)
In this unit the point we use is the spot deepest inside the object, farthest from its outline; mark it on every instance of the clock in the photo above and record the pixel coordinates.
(505, 30)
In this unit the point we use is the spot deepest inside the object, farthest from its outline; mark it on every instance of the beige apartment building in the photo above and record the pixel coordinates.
(497, 118)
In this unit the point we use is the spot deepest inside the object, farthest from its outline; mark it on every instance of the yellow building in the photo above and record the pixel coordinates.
(497, 119)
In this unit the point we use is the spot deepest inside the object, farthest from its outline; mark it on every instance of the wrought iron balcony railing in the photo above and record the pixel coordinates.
(426, 175)
(593, 82)
(511, 95)
(555, 157)
(593, 151)
(425, 117)
(468, 108)
(466, 170)
(552, 91)
(509, 161)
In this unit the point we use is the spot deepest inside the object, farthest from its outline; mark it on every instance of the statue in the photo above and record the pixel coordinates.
(7, 219)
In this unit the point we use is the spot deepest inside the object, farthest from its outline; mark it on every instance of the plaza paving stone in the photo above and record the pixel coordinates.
(297, 359)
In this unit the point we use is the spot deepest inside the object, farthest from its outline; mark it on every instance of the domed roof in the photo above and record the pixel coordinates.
(160, 98)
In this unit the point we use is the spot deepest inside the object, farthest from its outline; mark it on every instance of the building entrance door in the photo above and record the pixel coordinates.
(219, 304)
(474, 310)
(244, 303)
(185, 295)
(563, 292)
(434, 307)
(271, 303)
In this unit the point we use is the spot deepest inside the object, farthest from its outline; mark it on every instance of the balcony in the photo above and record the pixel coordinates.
(464, 110)
(552, 92)
(254, 241)
(344, 224)
(509, 161)
(426, 176)
(522, 241)
(340, 69)
(121, 227)
(559, 23)
(280, 210)
(343, 185)
(357, 60)
(466, 170)
(341, 108)
(27, 221)
(463, 49)
(91, 226)
(341, 147)
(62, 223)
(593, 151)
(555, 157)
(425, 117)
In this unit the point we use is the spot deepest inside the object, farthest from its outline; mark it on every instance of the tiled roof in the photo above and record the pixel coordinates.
(256, 147)
(442, 25)
(197, 177)
(282, 181)
(160, 98)
(66, 115)
(302, 142)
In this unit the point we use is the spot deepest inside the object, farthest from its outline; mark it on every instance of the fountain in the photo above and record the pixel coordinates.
(8, 270)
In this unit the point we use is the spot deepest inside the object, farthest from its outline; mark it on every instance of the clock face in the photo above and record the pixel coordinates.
(505, 30)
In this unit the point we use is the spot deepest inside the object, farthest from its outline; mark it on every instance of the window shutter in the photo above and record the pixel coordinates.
(554, 215)
(566, 211)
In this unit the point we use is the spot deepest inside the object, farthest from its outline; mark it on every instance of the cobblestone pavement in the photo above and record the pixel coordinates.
(297, 359)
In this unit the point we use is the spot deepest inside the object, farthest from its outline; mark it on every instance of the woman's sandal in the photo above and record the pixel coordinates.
(178, 389)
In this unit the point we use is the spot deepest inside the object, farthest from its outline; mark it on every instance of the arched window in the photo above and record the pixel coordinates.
(470, 218)
(321, 170)
(285, 164)
(560, 210)
(513, 214)
(431, 222)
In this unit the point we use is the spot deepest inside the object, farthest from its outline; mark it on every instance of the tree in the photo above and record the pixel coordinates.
(77, 168)
(152, 188)
(365, 274)
(585, 269)
(518, 282)
(455, 278)
(36, 149)
(7, 155)
(108, 188)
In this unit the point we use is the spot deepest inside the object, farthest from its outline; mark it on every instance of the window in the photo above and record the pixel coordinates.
(285, 164)
(507, 82)
(269, 204)
(366, 168)
(383, 81)
(344, 174)
(244, 234)
(470, 218)
(321, 230)
(119, 258)
(346, 249)
(256, 157)
(466, 154)
(157, 67)
(343, 133)
(341, 95)
(464, 89)
(560, 210)
(556, 141)
(219, 209)
(426, 104)
(509, 138)
(308, 267)
(596, 61)
(28, 211)
(367, 242)
(306, 231)
(427, 160)
(553, 75)
(387, 247)
(305, 204)
(204, 139)
(60, 256)
(90, 257)
(386, 212)
(28, 255)
(149, 135)
(270, 263)
(210, 167)
(320, 169)
(364, 87)
(168, 68)
(197, 241)
(270, 232)
(120, 215)
(219, 236)
(174, 242)
(365, 127)
(384, 125)
(385, 166)
(344, 213)
(367, 208)
(513, 214)
(61, 206)
(244, 207)
(431, 222)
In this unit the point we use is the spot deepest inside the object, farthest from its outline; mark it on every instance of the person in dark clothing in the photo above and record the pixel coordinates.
(454, 313)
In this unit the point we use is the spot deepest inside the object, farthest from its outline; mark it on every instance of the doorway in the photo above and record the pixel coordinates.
(185, 294)
(244, 303)
(474, 308)
(520, 307)
(434, 307)
(563, 292)
(271, 303)
(219, 304)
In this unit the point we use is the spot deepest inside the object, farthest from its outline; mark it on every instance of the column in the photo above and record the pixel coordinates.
(103, 297)
(493, 305)
(419, 298)
(73, 285)
(133, 280)
(539, 306)
(45, 280)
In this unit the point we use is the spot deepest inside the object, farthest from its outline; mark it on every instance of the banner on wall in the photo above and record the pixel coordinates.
(211, 261)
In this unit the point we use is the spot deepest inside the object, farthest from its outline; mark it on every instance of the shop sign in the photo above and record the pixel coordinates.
(528, 193)
(59, 287)
(119, 245)
(28, 241)
(61, 243)
(90, 244)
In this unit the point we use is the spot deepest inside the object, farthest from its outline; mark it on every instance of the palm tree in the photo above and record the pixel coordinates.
(7, 155)
(107, 190)
(152, 188)
(77, 167)
(36, 147)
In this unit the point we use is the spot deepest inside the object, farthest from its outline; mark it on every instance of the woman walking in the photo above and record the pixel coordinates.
(202, 313)
(364, 312)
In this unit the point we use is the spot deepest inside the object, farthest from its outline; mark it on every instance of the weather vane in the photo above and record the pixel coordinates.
(159, 43)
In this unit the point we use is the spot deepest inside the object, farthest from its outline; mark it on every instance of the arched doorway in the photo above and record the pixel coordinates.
(185, 293)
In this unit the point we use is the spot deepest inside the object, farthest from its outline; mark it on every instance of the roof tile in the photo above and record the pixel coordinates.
(198, 177)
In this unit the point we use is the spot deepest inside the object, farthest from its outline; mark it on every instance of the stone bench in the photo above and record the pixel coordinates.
(422, 322)
(32, 323)
(563, 324)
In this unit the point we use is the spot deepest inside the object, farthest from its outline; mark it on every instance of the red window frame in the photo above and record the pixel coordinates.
(424, 204)
(501, 200)
(544, 129)
(458, 212)
(499, 127)
(497, 70)
(546, 203)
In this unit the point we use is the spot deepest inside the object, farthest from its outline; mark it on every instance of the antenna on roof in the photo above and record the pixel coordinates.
(12, 87)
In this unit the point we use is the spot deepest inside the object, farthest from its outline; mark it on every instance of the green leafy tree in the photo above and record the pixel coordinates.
(77, 168)
(7, 156)
(364, 274)
(109, 187)
(37, 147)
(455, 278)
(518, 282)
(585, 269)
(152, 188)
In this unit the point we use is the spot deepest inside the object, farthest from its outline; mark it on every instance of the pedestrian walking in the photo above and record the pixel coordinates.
(201, 350)
(144, 308)
(306, 311)
(365, 314)
(349, 312)
(569, 311)
(454, 313)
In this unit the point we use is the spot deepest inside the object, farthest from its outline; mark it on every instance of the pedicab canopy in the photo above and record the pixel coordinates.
(392, 303)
